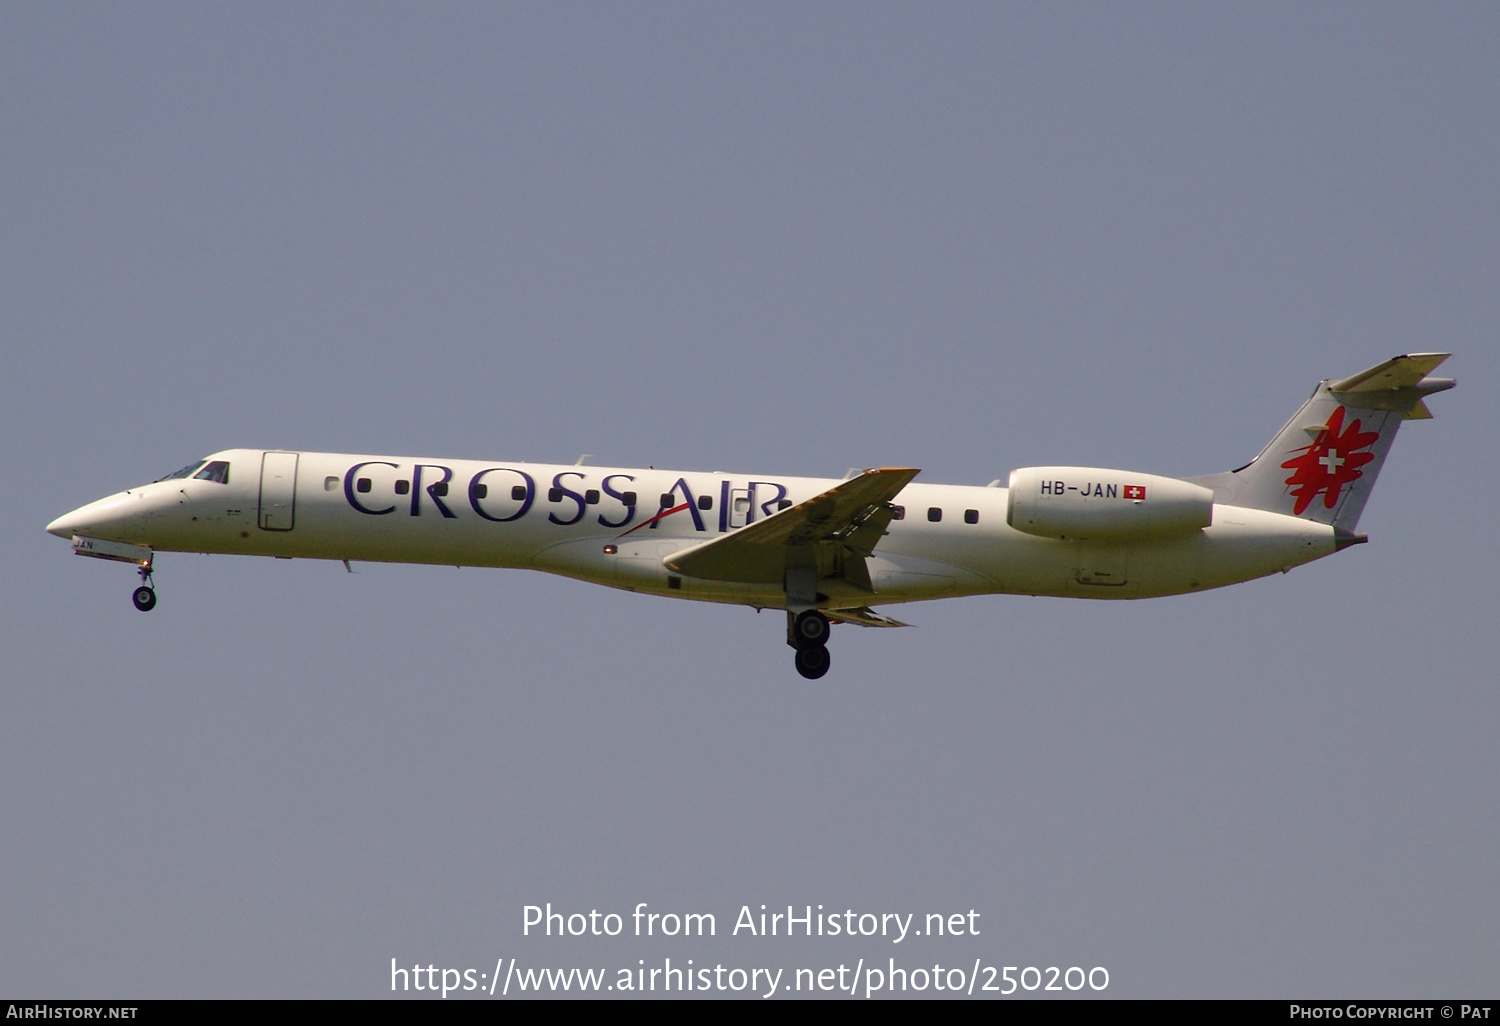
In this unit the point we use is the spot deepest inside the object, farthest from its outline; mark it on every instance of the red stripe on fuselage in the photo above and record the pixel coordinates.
(648, 523)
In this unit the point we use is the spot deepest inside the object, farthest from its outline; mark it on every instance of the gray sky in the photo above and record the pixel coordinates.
(770, 238)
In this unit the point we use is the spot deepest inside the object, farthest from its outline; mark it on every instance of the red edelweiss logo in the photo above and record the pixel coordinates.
(1332, 461)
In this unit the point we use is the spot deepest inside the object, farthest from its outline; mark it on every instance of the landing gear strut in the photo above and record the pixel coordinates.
(807, 632)
(145, 596)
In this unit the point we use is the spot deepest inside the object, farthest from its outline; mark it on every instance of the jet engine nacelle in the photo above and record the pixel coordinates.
(1088, 502)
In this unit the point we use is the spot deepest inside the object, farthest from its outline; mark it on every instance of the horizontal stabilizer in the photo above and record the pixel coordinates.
(1399, 384)
(1398, 372)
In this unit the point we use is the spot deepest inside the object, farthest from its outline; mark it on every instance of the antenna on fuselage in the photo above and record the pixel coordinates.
(580, 459)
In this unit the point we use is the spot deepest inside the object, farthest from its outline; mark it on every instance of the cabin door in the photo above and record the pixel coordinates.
(278, 490)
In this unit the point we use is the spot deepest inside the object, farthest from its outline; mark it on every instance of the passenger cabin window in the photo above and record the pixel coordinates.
(217, 471)
(705, 502)
(402, 487)
(934, 513)
(784, 504)
(591, 496)
(482, 491)
(362, 485)
(440, 489)
(900, 513)
(628, 498)
(971, 516)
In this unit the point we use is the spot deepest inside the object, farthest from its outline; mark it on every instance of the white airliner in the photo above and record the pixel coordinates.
(823, 550)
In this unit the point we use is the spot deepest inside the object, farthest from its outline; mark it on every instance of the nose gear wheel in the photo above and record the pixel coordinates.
(144, 597)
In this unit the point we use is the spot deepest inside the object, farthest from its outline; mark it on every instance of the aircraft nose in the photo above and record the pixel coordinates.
(96, 519)
(66, 525)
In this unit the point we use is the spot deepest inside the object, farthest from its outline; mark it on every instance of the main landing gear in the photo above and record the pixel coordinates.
(145, 596)
(808, 634)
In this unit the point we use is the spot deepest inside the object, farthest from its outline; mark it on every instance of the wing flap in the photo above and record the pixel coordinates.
(864, 616)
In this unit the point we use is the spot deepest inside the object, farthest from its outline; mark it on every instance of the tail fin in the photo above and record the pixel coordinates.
(1323, 463)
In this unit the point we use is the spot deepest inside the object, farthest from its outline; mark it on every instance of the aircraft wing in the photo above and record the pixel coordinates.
(833, 532)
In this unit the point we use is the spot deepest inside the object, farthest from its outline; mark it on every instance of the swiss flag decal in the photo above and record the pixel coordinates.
(1135, 491)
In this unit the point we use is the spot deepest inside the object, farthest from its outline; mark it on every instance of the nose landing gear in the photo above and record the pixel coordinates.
(807, 632)
(145, 596)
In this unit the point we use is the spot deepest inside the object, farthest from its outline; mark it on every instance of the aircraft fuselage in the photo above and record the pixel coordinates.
(615, 526)
(823, 550)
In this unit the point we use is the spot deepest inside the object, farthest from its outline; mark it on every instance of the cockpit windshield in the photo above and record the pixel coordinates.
(186, 471)
(218, 471)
